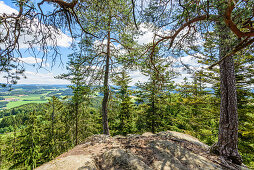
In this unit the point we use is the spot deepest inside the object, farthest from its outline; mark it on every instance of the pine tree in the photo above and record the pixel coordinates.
(111, 22)
(27, 153)
(245, 98)
(126, 109)
(243, 73)
(55, 135)
(80, 87)
(153, 93)
(185, 88)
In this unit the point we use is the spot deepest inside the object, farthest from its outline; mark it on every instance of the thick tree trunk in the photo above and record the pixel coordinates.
(106, 88)
(228, 125)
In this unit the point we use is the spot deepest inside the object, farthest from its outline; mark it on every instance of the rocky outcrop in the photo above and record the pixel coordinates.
(163, 151)
(71, 162)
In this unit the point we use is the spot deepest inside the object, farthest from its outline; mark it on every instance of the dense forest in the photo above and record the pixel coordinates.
(215, 105)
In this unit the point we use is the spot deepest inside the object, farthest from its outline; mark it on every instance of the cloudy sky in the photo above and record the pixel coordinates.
(44, 73)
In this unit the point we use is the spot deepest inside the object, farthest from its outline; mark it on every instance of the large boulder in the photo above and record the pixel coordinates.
(116, 159)
(71, 162)
(162, 151)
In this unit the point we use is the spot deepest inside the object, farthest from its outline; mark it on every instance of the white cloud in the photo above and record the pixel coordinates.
(192, 61)
(188, 60)
(30, 60)
(64, 40)
(41, 78)
(38, 78)
(33, 60)
(148, 32)
(137, 76)
(147, 35)
(33, 28)
(5, 9)
(48, 78)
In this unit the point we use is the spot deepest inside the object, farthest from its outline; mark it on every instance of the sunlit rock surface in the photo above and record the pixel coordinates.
(162, 151)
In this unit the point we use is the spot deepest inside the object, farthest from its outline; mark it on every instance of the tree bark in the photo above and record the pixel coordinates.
(228, 125)
(153, 107)
(105, 86)
(153, 116)
(76, 117)
(53, 119)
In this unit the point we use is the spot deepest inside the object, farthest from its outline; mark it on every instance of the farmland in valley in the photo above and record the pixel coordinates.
(23, 94)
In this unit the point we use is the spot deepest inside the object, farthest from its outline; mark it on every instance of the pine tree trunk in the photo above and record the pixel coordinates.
(153, 116)
(53, 119)
(228, 125)
(105, 87)
(153, 107)
(76, 110)
(1, 158)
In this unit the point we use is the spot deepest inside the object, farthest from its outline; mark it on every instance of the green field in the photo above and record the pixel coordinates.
(19, 103)
(25, 94)
(33, 98)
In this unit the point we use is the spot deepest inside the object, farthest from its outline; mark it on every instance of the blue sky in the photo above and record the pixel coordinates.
(45, 75)
(34, 73)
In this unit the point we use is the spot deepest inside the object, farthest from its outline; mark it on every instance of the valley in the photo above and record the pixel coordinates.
(24, 94)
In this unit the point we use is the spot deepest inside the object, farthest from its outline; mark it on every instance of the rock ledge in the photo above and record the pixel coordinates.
(162, 151)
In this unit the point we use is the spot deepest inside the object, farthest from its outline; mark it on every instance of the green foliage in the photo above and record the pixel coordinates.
(1, 151)
(123, 121)
(51, 129)
(3, 104)
(244, 81)
(81, 94)
(37, 133)
(26, 154)
(153, 94)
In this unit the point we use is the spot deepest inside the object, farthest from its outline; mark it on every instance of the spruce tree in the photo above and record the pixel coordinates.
(54, 130)
(81, 90)
(126, 109)
(27, 153)
(153, 93)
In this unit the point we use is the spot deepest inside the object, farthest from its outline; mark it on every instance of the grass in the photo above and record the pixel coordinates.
(19, 103)
(33, 98)
(9, 97)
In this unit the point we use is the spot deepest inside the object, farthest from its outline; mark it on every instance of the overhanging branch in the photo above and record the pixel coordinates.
(62, 3)
(239, 47)
(232, 25)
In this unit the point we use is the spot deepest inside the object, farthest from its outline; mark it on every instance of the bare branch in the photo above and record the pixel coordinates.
(133, 13)
(61, 3)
